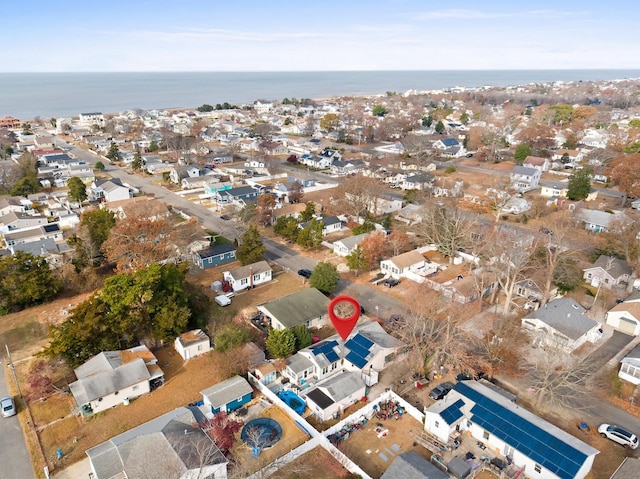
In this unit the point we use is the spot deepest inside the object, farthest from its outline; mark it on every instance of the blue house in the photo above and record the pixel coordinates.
(235, 195)
(215, 255)
(228, 395)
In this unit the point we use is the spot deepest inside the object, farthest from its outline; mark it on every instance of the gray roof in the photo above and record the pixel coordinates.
(246, 271)
(216, 250)
(524, 170)
(600, 218)
(342, 385)
(410, 465)
(376, 334)
(298, 363)
(352, 241)
(227, 391)
(566, 316)
(93, 387)
(628, 469)
(612, 265)
(298, 308)
(157, 448)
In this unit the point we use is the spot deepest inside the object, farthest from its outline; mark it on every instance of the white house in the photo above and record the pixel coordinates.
(192, 343)
(630, 367)
(598, 221)
(525, 179)
(537, 162)
(608, 272)
(333, 396)
(625, 316)
(398, 266)
(307, 306)
(562, 323)
(345, 247)
(516, 206)
(114, 377)
(502, 426)
(249, 276)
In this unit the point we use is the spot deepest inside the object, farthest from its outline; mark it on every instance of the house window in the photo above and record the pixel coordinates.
(135, 388)
(436, 423)
(199, 347)
(485, 435)
(537, 468)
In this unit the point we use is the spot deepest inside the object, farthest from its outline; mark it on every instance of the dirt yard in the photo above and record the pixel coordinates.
(374, 452)
(314, 464)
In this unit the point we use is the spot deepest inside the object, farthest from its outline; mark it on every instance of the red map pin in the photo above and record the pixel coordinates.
(343, 325)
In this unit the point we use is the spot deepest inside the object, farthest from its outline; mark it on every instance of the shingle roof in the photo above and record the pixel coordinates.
(298, 308)
(216, 250)
(410, 465)
(407, 259)
(227, 391)
(612, 265)
(566, 316)
(246, 271)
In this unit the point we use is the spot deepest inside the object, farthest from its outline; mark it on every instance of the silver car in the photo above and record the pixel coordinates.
(619, 435)
(8, 407)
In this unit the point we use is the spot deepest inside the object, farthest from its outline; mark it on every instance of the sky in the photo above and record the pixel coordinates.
(327, 35)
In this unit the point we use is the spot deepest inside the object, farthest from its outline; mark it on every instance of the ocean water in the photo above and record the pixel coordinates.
(48, 95)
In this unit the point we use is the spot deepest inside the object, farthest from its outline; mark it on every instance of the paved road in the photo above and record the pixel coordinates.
(14, 459)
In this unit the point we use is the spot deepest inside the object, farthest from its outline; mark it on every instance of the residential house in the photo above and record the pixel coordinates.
(330, 224)
(449, 147)
(12, 203)
(574, 156)
(554, 189)
(467, 288)
(347, 167)
(143, 207)
(49, 231)
(396, 148)
(115, 377)
(562, 323)
(238, 195)
(410, 214)
(598, 221)
(595, 138)
(385, 203)
(398, 266)
(524, 179)
(179, 172)
(228, 395)
(608, 272)
(625, 317)
(172, 445)
(90, 119)
(331, 397)
(307, 306)
(192, 343)
(346, 246)
(419, 181)
(516, 206)
(15, 221)
(630, 367)
(537, 162)
(444, 187)
(215, 255)
(410, 465)
(627, 469)
(528, 289)
(109, 190)
(292, 210)
(525, 440)
(249, 276)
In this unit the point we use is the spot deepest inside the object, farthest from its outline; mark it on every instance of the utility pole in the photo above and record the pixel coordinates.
(13, 370)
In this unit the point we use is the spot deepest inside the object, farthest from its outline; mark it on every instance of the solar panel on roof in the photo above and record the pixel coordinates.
(356, 360)
(331, 355)
(356, 348)
(362, 341)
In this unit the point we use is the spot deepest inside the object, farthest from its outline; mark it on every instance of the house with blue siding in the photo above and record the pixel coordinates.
(228, 395)
(237, 195)
(215, 255)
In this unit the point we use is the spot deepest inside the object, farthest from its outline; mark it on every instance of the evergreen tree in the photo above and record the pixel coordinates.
(303, 336)
(251, 249)
(281, 343)
(25, 280)
(325, 277)
(114, 152)
(77, 189)
(357, 261)
(287, 227)
(230, 336)
(440, 127)
(522, 151)
(579, 184)
(310, 236)
(136, 164)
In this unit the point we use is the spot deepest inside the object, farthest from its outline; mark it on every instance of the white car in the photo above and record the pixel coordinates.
(8, 407)
(619, 435)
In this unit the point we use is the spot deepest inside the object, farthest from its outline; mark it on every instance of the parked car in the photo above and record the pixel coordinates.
(474, 374)
(305, 273)
(440, 391)
(225, 217)
(390, 283)
(619, 435)
(8, 407)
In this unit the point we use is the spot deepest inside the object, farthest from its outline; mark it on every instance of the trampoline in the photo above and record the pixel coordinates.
(294, 401)
(261, 433)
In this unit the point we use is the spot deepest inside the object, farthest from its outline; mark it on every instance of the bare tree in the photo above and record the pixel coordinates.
(560, 379)
(447, 228)
(360, 194)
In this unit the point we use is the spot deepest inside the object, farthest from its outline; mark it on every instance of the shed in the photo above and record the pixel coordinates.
(228, 395)
(192, 343)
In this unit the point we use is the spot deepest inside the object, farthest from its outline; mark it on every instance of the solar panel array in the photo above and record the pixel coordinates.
(526, 437)
(452, 413)
(326, 348)
(359, 348)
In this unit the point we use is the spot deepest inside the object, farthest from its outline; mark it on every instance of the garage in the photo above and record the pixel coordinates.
(627, 326)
